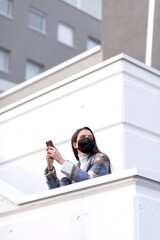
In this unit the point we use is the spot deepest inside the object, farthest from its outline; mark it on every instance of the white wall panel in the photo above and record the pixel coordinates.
(119, 99)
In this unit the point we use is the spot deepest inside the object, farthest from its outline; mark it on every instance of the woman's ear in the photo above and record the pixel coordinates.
(75, 145)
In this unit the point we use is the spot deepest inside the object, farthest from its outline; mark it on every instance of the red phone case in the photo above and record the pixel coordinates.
(49, 143)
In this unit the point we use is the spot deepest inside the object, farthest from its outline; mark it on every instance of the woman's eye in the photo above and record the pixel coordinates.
(81, 137)
(90, 137)
(84, 136)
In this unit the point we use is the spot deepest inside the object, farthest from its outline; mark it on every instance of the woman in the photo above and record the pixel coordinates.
(91, 162)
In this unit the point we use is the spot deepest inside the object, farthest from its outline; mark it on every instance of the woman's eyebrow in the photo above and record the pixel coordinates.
(82, 135)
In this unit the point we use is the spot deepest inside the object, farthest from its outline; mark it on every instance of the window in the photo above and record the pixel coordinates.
(37, 20)
(91, 43)
(6, 7)
(4, 60)
(32, 69)
(5, 85)
(65, 35)
(74, 2)
(92, 7)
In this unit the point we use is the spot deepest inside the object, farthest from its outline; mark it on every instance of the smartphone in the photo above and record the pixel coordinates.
(49, 143)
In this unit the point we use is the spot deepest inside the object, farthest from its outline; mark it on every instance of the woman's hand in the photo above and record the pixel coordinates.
(54, 154)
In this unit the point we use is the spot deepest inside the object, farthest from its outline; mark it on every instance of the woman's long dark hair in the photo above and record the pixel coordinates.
(95, 149)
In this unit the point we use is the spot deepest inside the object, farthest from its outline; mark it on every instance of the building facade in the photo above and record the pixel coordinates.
(132, 27)
(119, 98)
(37, 35)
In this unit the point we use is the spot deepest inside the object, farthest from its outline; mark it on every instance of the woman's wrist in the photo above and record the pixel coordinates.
(62, 161)
(50, 169)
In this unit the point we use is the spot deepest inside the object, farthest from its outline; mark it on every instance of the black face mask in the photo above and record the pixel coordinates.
(86, 145)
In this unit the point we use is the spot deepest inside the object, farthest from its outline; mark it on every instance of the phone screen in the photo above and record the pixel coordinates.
(49, 143)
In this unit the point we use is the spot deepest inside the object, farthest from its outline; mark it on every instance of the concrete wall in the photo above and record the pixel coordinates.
(132, 27)
(156, 37)
(124, 28)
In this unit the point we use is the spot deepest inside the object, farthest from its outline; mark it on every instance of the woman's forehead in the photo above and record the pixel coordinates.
(84, 132)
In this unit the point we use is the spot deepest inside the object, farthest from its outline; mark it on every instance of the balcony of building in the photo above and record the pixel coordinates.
(120, 100)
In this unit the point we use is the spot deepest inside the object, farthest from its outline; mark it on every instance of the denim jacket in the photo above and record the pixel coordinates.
(96, 165)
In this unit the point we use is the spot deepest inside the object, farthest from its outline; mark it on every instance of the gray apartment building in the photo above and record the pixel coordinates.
(36, 35)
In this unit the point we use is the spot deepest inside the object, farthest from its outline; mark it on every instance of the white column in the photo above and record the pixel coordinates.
(150, 29)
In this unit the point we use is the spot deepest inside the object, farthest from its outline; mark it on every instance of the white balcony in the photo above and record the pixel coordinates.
(120, 100)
